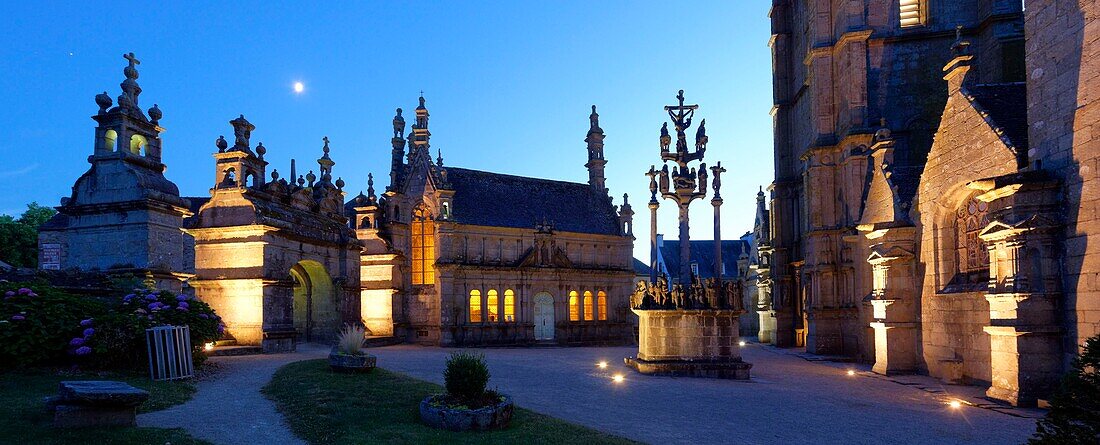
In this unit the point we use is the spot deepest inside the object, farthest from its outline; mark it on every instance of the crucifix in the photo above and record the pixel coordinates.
(681, 119)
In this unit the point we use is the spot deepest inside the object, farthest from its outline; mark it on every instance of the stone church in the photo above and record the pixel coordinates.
(933, 196)
(446, 256)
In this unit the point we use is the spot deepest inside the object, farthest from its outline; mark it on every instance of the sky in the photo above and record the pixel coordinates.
(509, 86)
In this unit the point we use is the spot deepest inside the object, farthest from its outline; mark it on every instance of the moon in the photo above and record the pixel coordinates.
(299, 87)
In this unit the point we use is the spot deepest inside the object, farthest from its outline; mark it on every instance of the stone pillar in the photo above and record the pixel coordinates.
(1024, 286)
(717, 203)
(685, 246)
(894, 298)
(653, 205)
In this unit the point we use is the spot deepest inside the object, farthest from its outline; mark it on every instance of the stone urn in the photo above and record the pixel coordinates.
(350, 363)
(437, 414)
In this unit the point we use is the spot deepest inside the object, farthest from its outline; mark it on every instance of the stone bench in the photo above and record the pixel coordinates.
(95, 403)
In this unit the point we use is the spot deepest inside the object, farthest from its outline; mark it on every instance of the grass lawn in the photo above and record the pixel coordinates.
(24, 420)
(382, 407)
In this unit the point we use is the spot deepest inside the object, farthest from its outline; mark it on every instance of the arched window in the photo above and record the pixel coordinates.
(574, 306)
(973, 256)
(137, 143)
(588, 308)
(491, 301)
(423, 247)
(475, 306)
(509, 306)
(601, 304)
(109, 140)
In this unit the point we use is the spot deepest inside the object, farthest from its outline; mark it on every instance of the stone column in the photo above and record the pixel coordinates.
(653, 205)
(894, 296)
(717, 203)
(685, 246)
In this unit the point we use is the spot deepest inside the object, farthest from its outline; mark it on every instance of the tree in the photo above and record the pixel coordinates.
(19, 237)
(1074, 416)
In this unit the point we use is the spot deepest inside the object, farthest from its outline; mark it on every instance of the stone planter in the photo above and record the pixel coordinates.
(488, 418)
(351, 363)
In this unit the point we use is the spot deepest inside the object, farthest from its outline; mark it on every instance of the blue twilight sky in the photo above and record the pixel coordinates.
(508, 84)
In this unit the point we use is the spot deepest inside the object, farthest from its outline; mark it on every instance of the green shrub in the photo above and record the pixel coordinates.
(466, 376)
(1074, 416)
(36, 325)
(117, 340)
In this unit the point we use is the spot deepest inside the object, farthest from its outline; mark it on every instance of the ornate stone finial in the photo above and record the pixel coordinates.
(274, 174)
(883, 133)
(155, 114)
(301, 181)
(370, 185)
(130, 88)
(104, 101)
(626, 200)
(261, 150)
(242, 131)
(221, 144)
(960, 47)
(340, 183)
(439, 157)
(325, 148)
(398, 125)
(594, 121)
(311, 178)
(421, 107)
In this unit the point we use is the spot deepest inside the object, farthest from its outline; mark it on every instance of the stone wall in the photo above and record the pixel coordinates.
(1063, 69)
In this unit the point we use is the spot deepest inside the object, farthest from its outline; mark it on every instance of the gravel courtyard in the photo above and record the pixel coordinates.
(789, 399)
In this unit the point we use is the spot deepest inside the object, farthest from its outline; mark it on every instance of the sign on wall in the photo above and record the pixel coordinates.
(51, 256)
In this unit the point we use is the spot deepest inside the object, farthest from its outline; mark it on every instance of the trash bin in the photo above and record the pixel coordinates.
(169, 352)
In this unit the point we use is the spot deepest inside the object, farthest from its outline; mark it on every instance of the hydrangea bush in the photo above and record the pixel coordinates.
(36, 326)
(47, 326)
(117, 339)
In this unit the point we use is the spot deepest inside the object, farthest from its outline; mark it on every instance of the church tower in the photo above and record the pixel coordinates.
(596, 161)
(123, 215)
(238, 166)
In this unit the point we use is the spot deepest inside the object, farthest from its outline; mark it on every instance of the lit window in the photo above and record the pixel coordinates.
(423, 248)
(509, 306)
(912, 13)
(475, 306)
(970, 219)
(588, 308)
(491, 301)
(574, 307)
(601, 303)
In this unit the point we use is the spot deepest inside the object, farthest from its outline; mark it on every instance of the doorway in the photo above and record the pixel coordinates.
(316, 317)
(544, 316)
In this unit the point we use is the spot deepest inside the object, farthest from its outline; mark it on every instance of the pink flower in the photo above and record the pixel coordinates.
(9, 293)
(86, 323)
(83, 350)
(18, 317)
(76, 342)
(89, 332)
(25, 291)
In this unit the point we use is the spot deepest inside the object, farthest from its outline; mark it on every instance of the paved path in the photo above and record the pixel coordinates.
(789, 400)
(229, 408)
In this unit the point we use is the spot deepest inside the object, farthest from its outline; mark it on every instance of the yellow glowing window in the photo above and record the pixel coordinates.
(574, 307)
(912, 13)
(509, 306)
(423, 248)
(491, 301)
(475, 306)
(588, 308)
(601, 303)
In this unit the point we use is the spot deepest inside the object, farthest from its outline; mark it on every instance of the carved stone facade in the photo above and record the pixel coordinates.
(963, 256)
(466, 257)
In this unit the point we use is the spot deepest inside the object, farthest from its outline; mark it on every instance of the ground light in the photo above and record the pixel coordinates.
(602, 365)
(617, 378)
(208, 346)
(851, 372)
(741, 343)
(955, 404)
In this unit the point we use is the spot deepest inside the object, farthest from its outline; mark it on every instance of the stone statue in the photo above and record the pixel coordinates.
(703, 178)
(677, 295)
(701, 136)
(717, 170)
(661, 291)
(398, 126)
(664, 179)
(652, 182)
(666, 140)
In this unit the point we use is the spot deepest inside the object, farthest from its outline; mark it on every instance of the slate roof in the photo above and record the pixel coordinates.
(500, 200)
(640, 268)
(702, 252)
(1006, 104)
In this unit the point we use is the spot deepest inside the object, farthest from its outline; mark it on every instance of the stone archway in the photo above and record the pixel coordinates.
(316, 313)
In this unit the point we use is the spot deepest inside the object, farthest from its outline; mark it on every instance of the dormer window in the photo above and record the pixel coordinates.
(913, 13)
(695, 269)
